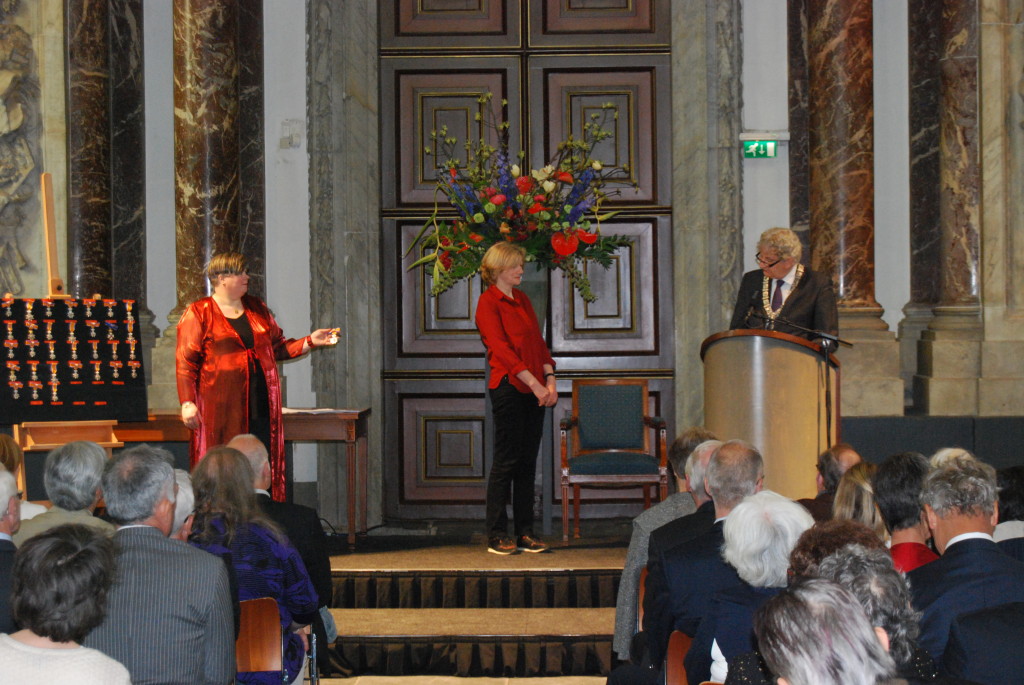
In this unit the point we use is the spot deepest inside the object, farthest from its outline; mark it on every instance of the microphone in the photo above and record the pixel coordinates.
(752, 308)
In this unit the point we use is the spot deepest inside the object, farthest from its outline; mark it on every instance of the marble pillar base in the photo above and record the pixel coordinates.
(163, 388)
(916, 319)
(1001, 386)
(871, 383)
(949, 363)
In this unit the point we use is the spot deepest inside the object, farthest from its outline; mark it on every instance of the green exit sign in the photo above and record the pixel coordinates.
(755, 149)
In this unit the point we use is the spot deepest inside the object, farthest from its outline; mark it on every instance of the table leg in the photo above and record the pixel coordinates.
(350, 459)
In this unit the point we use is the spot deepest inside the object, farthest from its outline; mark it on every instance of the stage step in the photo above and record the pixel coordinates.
(455, 680)
(474, 642)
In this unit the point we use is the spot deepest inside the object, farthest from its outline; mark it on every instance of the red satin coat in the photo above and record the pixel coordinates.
(213, 371)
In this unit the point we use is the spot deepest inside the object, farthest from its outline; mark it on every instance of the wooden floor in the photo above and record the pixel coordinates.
(457, 623)
(451, 680)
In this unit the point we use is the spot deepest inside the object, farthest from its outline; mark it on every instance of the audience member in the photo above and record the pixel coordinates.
(831, 465)
(972, 573)
(897, 485)
(759, 535)
(681, 586)
(690, 494)
(59, 593)
(825, 538)
(13, 459)
(229, 523)
(9, 521)
(870, 576)
(947, 455)
(302, 526)
(72, 480)
(816, 633)
(184, 506)
(855, 499)
(169, 615)
(1011, 504)
(984, 646)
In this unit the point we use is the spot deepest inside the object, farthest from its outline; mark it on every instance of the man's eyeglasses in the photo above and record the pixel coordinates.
(764, 263)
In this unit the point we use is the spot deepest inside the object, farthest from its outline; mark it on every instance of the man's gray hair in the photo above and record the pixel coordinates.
(185, 501)
(759, 535)
(733, 472)
(73, 473)
(964, 486)
(8, 489)
(816, 633)
(870, 576)
(783, 240)
(135, 482)
(696, 466)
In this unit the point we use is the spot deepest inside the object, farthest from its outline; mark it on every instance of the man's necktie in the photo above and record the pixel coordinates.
(777, 295)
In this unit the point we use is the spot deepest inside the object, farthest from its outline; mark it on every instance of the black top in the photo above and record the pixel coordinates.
(259, 394)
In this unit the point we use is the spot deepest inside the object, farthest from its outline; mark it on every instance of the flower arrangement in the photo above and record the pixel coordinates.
(552, 212)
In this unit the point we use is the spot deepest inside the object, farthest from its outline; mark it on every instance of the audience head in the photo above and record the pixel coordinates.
(696, 470)
(138, 487)
(11, 456)
(60, 580)
(1011, 493)
(959, 498)
(947, 455)
(815, 633)
(855, 498)
(870, 576)
(833, 463)
(73, 474)
(897, 484)
(735, 471)
(222, 481)
(759, 535)
(825, 538)
(10, 503)
(256, 454)
(680, 451)
(184, 505)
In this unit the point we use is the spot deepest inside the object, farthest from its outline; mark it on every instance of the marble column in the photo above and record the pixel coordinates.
(206, 155)
(924, 48)
(88, 98)
(841, 197)
(251, 149)
(949, 353)
(799, 150)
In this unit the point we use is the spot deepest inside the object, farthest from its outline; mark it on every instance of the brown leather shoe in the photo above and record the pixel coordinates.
(528, 543)
(502, 545)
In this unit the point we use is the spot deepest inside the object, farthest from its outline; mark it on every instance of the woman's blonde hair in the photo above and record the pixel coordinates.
(500, 256)
(225, 263)
(782, 240)
(855, 499)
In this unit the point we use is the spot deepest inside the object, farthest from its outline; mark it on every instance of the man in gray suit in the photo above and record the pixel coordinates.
(169, 617)
(689, 456)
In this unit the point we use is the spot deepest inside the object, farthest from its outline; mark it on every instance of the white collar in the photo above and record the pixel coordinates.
(968, 536)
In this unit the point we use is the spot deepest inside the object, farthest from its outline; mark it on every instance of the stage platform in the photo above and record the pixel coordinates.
(442, 606)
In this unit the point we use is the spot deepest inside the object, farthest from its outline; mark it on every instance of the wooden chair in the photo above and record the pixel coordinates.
(678, 645)
(610, 443)
(260, 643)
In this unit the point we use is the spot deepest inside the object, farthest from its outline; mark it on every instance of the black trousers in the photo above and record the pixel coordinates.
(518, 426)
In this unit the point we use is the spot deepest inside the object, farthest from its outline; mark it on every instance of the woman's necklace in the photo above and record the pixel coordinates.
(232, 310)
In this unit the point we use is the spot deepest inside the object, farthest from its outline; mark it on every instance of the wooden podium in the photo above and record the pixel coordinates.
(768, 388)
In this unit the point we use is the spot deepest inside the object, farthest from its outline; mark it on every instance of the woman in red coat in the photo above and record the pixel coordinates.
(227, 354)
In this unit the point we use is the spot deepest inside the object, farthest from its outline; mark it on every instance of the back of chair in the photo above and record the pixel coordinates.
(610, 416)
(260, 642)
(678, 645)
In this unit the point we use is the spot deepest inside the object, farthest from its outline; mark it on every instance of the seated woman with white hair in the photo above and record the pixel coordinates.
(759, 535)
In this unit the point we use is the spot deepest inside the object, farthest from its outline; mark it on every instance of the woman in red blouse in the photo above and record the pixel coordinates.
(521, 383)
(227, 354)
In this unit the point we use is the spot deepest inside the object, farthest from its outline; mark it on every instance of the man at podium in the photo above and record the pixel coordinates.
(783, 295)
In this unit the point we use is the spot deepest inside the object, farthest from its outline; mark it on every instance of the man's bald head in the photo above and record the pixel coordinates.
(735, 471)
(256, 452)
(833, 463)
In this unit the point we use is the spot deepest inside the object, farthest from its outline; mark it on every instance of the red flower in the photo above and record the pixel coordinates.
(563, 176)
(453, 172)
(587, 237)
(490, 191)
(539, 198)
(564, 244)
(536, 208)
(475, 237)
(498, 199)
(446, 260)
(524, 184)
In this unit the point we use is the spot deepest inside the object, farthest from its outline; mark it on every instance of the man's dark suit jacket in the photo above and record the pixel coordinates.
(7, 550)
(986, 645)
(1014, 547)
(677, 532)
(302, 526)
(679, 594)
(811, 304)
(973, 574)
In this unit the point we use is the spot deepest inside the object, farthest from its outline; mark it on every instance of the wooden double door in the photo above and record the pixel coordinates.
(555, 62)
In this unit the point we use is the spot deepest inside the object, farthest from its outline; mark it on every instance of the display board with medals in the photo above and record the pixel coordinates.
(71, 360)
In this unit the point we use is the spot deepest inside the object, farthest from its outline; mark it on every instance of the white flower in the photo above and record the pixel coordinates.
(596, 165)
(548, 186)
(515, 171)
